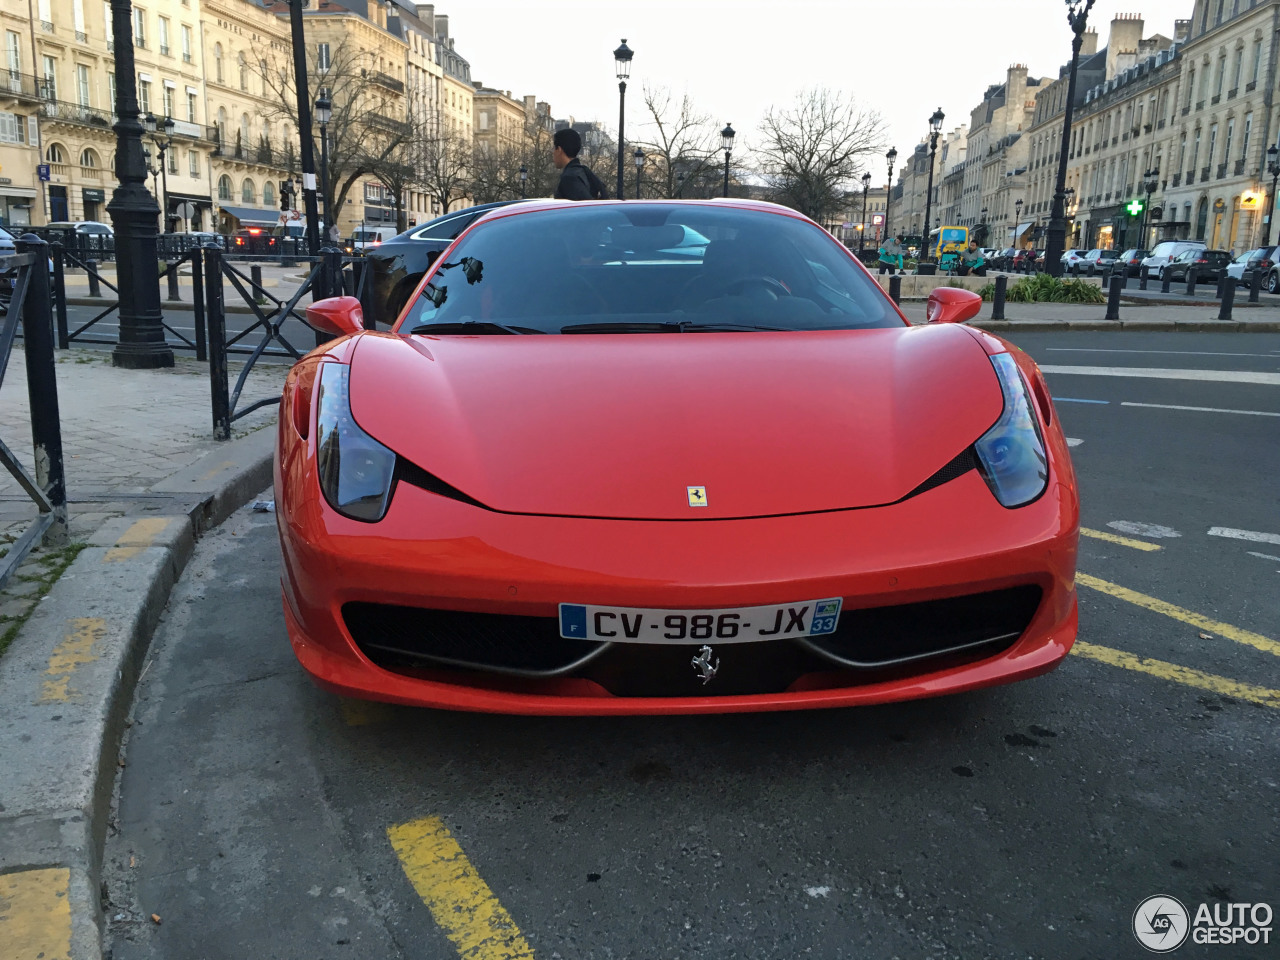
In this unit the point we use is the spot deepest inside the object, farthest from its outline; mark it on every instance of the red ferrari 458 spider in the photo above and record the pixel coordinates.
(669, 457)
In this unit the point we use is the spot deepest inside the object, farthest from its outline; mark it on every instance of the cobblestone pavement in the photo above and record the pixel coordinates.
(123, 431)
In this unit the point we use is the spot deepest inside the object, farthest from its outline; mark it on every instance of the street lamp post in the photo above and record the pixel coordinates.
(524, 180)
(1273, 168)
(982, 224)
(862, 231)
(935, 128)
(149, 122)
(1151, 184)
(726, 143)
(306, 151)
(892, 157)
(1017, 221)
(140, 343)
(639, 155)
(324, 111)
(1055, 244)
(622, 60)
(1069, 208)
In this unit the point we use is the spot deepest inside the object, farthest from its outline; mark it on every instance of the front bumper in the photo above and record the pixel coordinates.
(431, 553)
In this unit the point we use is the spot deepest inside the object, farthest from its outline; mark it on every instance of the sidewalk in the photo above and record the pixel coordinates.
(1150, 315)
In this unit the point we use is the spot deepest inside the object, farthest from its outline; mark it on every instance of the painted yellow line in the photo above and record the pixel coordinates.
(71, 653)
(35, 915)
(461, 902)
(137, 538)
(1246, 637)
(1177, 674)
(1116, 538)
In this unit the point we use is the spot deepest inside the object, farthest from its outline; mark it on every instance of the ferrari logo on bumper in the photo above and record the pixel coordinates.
(697, 496)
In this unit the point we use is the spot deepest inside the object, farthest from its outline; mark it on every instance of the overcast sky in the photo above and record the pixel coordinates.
(903, 58)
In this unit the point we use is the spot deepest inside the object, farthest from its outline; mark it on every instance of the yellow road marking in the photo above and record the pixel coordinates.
(461, 902)
(73, 652)
(1246, 637)
(1177, 674)
(35, 915)
(1116, 538)
(137, 538)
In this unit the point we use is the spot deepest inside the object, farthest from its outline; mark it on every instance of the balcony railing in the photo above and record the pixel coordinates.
(1176, 181)
(75, 113)
(47, 27)
(164, 49)
(385, 80)
(1239, 168)
(90, 173)
(186, 58)
(1222, 170)
(21, 85)
(1204, 174)
(81, 37)
(59, 169)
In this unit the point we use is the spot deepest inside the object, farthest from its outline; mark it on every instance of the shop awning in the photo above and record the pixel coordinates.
(252, 215)
(1022, 228)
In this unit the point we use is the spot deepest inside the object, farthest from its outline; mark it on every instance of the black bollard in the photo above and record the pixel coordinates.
(997, 302)
(1221, 283)
(1228, 298)
(1255, 284)
(1142, 279)
(1165, 282)
(1113, 300)
(895, 288)
(91, 268)
(1191, 281)
(173, 282)
(255, 274)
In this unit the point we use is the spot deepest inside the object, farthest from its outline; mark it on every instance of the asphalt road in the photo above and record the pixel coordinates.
(1027, 821)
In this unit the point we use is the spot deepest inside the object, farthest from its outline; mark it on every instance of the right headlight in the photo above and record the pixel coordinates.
(1011, 455)
(356, 471)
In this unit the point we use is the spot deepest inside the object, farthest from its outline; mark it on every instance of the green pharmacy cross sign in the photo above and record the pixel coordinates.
(1135, 207)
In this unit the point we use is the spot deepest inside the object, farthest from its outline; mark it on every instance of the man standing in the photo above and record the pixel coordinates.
(891, 255)
(577, 181)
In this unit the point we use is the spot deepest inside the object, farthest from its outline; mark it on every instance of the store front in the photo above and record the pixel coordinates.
(188, 212)
(94, 201)
(16, 204)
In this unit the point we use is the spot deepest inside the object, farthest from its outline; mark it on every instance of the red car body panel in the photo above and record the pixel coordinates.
(579, 449)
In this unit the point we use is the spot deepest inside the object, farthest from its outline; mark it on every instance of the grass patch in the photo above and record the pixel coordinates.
(47, 568)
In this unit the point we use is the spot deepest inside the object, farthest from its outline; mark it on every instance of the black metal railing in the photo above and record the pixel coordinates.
(29, 306)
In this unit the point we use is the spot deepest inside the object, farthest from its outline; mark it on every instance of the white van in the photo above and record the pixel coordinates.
(1163, 252)
(366, 238)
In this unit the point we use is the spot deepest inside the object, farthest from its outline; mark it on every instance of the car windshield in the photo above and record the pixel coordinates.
(648, 267)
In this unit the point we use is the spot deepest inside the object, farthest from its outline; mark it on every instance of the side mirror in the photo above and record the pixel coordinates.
(948, 305)
(341, 316)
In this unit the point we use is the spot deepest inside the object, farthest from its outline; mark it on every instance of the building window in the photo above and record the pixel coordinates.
(268, 194)
(172, 160)
(1244, 140)
(1195, 154)
(1239, 66)
(87, 158)
(1213, 145)
(217, 62)
(322, 56)
(1226, 144)
(12, 128)
(140, 28)
(50, 79)
(1257, 58)
(168, 101)
(244, 72)
(54, 154)
(186, 44)
(82, 84)
(144, 97)
(191, 107)
(193, 163)
(163, 32)
(13, 53)
(1222, 75)
(1191, 86)
(224, 187)
(248, 194)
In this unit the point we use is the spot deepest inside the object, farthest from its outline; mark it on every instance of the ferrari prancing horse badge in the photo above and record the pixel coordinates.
(697, 496)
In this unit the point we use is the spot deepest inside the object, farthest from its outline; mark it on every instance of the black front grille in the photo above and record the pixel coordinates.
(870, 644)
(877, 637)
(394, 636)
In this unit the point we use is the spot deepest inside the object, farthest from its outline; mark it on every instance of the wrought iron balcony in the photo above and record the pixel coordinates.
(385, 80)
(1222, 170)
(1240, 167)
(77, 113)
(21, 86)
(1204, 174)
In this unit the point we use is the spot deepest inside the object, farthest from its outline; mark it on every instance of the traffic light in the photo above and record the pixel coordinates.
(1135, 207)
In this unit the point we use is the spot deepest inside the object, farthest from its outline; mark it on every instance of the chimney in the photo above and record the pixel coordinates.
(1089, 43)
(1181, 31)
(442, 26)
(427, 14)
(1123, 43)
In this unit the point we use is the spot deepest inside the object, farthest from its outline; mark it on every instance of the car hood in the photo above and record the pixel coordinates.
(617, 425)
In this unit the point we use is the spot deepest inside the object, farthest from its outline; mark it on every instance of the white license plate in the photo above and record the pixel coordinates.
(779, 621)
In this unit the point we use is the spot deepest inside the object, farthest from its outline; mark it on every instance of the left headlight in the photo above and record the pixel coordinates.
(1011, 454)
(356, 471)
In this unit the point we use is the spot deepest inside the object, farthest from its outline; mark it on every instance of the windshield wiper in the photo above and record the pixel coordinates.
(663, 326)
(469, 327)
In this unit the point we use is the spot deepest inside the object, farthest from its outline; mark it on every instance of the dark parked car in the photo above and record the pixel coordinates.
(1133, 260)
(1096, 261)
(1025, 258)
(1264, 259)
(1004, 259)
(399, 263)
(1209, 264)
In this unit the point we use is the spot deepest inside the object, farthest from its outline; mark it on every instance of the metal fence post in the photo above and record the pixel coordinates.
(1191, 281)
(895, 288)
(42, 387)
(1113, 299)
(330, 283)
(997, 300)
(197, 303)
(59, 293)
(172, 277)
(91, 268)
(1228, 298)
(1255, 285)
(217, 321)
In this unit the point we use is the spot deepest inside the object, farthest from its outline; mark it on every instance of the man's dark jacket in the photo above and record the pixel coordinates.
(578, 182)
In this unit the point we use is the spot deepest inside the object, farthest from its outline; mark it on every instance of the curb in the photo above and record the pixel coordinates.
(1168, 326)
(67, 686)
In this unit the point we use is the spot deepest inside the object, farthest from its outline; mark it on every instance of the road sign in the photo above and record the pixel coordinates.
(42, 171)
(877, 218)
(185, 210)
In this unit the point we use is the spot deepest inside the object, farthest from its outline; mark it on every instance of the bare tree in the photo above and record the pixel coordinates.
(681, 157)
(811, 150)
(495, 172)
(444, 164)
